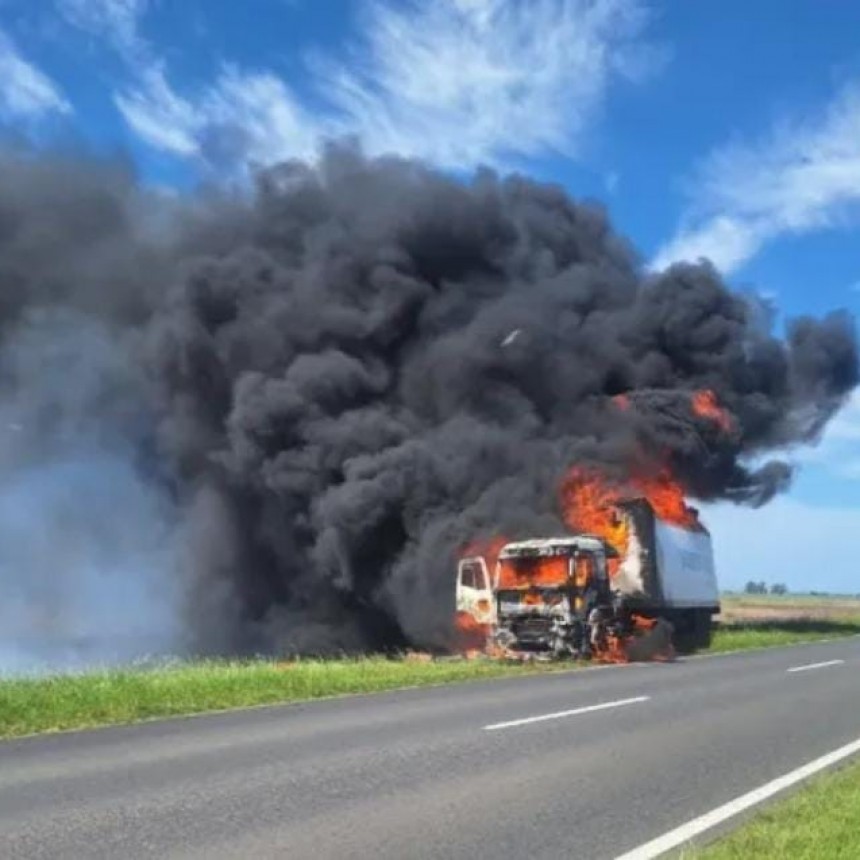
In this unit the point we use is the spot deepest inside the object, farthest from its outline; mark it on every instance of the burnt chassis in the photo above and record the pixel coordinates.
(539, 621)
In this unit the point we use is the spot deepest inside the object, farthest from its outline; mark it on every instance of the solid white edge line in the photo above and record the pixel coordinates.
(686, 832)
(572, 713)
(815, 666)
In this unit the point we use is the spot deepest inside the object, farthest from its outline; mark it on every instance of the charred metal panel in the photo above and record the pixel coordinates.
(640, 516)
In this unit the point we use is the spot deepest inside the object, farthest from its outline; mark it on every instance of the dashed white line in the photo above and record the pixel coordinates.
(809, 666)
(588, 709)
(686, 832)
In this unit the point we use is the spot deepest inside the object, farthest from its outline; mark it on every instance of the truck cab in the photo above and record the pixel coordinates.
(540, 594)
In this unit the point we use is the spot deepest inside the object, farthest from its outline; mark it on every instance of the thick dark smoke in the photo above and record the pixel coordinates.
(333, 384)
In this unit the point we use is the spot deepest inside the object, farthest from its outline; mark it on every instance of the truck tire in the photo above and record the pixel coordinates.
(692, 630)
(685, 642)
(704, 629)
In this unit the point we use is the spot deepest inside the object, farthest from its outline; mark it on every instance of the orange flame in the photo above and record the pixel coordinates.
(706, 405)
(666, 497)
(523, 572)
(471, 635)
(588, 502)
(614, 653)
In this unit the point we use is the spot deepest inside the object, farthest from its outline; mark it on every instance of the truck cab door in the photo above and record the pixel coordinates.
(474, 594)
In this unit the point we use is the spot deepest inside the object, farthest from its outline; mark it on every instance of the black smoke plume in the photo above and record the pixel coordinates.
(335, 382)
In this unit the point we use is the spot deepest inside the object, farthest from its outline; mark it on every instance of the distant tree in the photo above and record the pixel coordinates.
(755, 587)
(779, 588)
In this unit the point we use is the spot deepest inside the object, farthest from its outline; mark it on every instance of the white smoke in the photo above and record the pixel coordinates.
(86, 557)
(87, 543)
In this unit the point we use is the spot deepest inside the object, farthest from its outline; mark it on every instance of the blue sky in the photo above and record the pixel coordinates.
(712, 128)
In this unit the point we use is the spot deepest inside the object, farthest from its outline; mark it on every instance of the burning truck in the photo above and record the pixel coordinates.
(641, 581)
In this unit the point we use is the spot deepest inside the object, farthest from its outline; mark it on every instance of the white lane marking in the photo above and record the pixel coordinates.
(809, 666)
(680, 835)
(588, 709)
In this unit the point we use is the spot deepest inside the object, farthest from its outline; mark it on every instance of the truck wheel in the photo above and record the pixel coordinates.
(694, 632)
(685, 636)
(704, 631)
(685, 641)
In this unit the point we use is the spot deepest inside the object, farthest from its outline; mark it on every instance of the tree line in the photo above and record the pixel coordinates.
(763, 588)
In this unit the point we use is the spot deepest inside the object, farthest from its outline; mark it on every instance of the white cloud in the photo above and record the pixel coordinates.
(242, 117)
(456, 82)
(117, 21)
(803, 176)
(258, 117)
(25, 91)
(726, 240)
(805, 546)
(468, 81)
(160, 116)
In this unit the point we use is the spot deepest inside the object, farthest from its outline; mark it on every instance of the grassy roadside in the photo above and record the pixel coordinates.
(30, 705)
(822, 820)
(743, 636)
(761, 621)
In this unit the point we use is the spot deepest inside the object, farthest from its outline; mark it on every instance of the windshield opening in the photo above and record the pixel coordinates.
(533, 570)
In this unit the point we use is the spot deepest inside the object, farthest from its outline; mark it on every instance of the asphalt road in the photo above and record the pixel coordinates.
(417, 773)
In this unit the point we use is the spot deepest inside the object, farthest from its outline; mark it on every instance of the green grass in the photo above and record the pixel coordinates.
(30, 705)
(742, 636)
(822, 821)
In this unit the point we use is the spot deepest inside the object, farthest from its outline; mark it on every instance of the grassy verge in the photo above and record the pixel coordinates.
(742, 636)
(821, 821)
(126, 695)
(30, 705)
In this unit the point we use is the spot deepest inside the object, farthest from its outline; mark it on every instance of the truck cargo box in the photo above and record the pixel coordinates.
(669, 571)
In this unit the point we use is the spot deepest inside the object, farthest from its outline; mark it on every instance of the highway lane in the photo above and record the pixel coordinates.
(589, 763)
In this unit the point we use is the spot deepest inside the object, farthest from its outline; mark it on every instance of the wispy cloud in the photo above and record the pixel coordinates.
(802, 176)
(116, 21)
(26, 93)
(241, 117)
(466, 81)
(457, 82)
(159, 115)
(238, 117)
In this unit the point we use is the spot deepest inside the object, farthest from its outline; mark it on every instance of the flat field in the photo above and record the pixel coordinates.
(793, 607)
